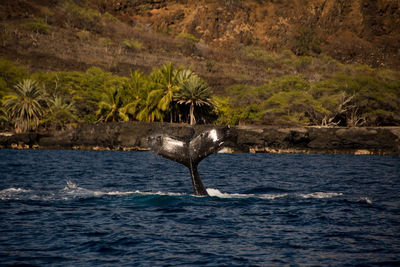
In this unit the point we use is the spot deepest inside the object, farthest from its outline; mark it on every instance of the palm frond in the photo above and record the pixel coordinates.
(24, 106)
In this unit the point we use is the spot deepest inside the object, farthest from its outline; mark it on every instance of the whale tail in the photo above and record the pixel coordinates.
(198, 186)
(190, 153)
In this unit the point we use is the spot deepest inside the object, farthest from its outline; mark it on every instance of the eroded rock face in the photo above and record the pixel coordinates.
(262, 139)
(359, 30)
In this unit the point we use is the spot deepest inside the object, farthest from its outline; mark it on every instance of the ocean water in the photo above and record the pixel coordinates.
(114, 208)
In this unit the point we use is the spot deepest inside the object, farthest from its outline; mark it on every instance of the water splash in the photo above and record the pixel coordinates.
(216, 193)
(321, 195)
(212, 192)
(365, 200)
(273, 196)
(13, 193)
(73, 191)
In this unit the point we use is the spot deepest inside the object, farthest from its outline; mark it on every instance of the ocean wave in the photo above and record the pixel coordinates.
(14, 190)
(73, 191)
(273, 196)
(10, 193)
(212, 192)
(321, 195)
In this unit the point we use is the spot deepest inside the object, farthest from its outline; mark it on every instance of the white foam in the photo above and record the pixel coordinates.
(74, 190)
(159, 193)
(321, 195)
(12, 193)
(272, 196)
(14, 190)
(216, 193)
(71, 185)
(366, 200)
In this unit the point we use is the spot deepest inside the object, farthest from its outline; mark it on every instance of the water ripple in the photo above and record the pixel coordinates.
(110, 208)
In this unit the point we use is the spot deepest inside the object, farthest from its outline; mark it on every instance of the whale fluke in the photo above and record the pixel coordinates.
(190, 152)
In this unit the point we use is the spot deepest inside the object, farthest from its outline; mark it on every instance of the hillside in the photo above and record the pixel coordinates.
(214, 38)
(364, 31)
(265, 47)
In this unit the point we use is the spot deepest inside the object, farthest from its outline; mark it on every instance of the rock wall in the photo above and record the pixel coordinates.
(356, 30)
(253, 139)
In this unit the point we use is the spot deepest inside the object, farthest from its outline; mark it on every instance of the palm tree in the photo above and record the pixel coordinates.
(194, 92)
(136, 94)
(184, 75)
(60, 112)
(112, 108)
(5, 120)
(24, 105)
(150, 111)
(167, 82)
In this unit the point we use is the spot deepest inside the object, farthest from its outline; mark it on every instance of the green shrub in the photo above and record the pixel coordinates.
(187, 37)
(188, 44)
(365, 95)
(39, 26)
(85, 89)
(289, 83)
(46, 12)
(303, 63)
(227, 115)
(83, 17)
(305, 42)
(105, 42)
(10, 74)
(83, 35)
(388, 74)
(288, 108)
(83, 12)
(327, 66)
(110, 17)
(210, 65)
(132, 44)
(258, 54)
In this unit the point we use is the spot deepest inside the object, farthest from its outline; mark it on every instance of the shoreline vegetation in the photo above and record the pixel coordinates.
(69, 65)
(356, 114)
(58, 100)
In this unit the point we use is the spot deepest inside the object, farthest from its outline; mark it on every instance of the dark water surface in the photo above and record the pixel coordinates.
(111, 208)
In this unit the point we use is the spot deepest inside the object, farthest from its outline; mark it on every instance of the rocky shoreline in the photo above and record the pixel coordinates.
(132, 136)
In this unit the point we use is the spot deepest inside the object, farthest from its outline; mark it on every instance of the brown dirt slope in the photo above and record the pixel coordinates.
(364, 30)
(206, 36)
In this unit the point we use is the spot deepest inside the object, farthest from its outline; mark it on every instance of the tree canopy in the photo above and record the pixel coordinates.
(176, 94)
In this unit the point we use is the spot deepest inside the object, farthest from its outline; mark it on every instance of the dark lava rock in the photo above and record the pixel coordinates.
(263, 139)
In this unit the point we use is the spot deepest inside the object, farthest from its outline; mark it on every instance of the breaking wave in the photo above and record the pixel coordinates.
(321, 195)
(216, 193)
(73, 191)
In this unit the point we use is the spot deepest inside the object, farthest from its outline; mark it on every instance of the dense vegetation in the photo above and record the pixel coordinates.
(342, 100)
(92, 61)
(174, 94)
(56, 99)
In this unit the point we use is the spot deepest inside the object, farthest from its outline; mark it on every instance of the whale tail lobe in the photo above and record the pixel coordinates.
(190, 153)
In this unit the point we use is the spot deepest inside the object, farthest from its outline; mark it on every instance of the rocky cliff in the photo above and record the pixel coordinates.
(254, 139)
(364, 31)
(210, 36)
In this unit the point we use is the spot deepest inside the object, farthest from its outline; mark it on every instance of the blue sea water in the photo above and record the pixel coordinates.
(114, 208)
